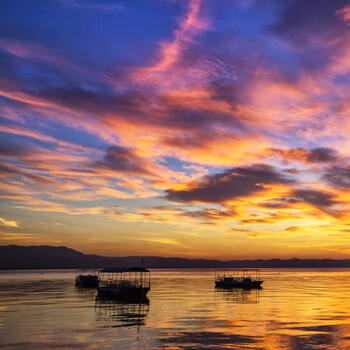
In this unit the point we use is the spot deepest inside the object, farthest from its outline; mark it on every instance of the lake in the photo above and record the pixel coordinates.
(296, 309)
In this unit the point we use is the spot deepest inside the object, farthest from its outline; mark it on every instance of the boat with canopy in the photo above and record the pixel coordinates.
(132, 282)
(234, 278)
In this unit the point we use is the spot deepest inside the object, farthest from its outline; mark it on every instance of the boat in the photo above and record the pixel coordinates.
(86, 280)
(234, 278)
(124, 283)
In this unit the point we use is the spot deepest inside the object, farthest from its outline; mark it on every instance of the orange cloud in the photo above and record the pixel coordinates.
(170, 51)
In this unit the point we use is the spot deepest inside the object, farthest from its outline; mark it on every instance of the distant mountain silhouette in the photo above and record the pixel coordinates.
(49, 257)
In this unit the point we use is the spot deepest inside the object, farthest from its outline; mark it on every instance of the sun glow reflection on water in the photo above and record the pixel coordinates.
(296, 309)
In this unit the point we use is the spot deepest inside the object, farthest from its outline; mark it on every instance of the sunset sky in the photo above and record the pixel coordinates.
(191, 128)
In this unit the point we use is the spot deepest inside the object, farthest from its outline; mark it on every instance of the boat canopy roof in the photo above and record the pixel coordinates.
(124, 269)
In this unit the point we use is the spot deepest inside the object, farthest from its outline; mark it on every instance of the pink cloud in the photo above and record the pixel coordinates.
(170, 52)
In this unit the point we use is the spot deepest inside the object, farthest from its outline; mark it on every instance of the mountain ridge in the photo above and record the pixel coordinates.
(51, 257)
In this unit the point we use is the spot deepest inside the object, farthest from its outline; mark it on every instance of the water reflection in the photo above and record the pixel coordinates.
(311, 337)
(296, 310)
(213, 340)
(85, 293)
(239, 296)
(122, 313)
(314, 341)
(21, 292)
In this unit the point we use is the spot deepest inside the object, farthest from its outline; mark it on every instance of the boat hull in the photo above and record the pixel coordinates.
(122, 293)
(239, 284)
(89, 281)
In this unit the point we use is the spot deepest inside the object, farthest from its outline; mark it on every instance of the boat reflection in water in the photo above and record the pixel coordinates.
(239, 296)
(123, 313)
(85, 293)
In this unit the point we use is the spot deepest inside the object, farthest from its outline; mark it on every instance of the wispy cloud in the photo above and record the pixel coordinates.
(170, 52)
(105, 6)
(10, 223)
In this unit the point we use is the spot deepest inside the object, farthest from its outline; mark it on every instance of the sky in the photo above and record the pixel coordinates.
(190, 128)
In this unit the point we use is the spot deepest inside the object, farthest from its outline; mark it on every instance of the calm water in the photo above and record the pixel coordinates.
(296, 309)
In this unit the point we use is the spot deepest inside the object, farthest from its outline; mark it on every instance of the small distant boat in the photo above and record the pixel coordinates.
(238, 279)
(86, 280)
(120, 283)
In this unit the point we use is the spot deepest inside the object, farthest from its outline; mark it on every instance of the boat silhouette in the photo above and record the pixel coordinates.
(235, 278)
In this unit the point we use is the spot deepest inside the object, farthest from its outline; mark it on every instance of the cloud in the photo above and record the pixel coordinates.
(302, 21)
(292, 228)
(105, 6)
(29, 50)
(322, 200)
(344, 13)
(233, 183)
(170, 52)
(23, 131)
(209, 216)
(10, 149)
(338, 176)
(8, 222)
(315, 155)
(277, 204)
(120, 159)
(67, 173)
(172, 214)
(272, 218)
